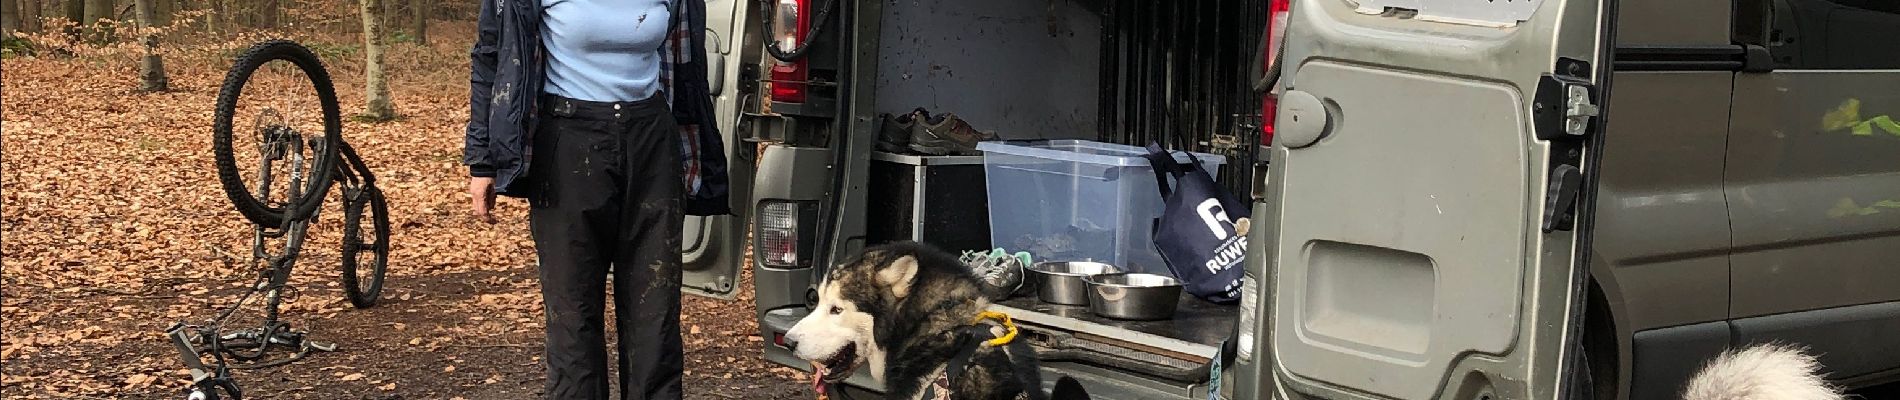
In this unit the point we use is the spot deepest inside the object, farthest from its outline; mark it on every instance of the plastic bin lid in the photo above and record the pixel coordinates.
(1087, 151)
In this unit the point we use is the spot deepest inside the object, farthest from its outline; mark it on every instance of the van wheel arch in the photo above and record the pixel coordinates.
(1604, 345)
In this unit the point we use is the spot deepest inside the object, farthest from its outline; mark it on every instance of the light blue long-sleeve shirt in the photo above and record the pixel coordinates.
(603, 50)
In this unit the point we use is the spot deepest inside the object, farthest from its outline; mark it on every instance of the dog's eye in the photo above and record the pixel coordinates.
(835, 310)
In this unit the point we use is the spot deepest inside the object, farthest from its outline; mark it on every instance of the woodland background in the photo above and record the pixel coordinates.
(113, 226)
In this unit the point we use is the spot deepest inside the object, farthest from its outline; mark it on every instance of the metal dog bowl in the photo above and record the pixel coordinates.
(1133, 296)
(1061, 282)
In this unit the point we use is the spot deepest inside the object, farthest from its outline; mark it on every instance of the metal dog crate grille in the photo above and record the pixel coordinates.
(1181, 73)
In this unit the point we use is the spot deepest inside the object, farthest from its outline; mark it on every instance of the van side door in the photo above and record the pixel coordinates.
(1813, 183)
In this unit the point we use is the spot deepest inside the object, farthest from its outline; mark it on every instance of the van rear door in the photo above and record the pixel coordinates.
(1422, 235)
(713, 247)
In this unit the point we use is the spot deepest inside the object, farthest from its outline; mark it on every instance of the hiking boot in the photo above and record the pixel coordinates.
(945, 134)
(894, 134)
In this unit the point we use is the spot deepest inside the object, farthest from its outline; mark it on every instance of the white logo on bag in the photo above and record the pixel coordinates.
(1215, 217)
(1232, 249)
(1229, 254)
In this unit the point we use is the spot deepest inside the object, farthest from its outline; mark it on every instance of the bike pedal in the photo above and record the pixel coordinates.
(320, 345)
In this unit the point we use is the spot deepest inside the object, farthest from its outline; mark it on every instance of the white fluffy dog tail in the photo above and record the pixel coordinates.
(1761, 372)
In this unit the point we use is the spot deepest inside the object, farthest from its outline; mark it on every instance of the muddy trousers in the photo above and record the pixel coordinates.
(606, 198)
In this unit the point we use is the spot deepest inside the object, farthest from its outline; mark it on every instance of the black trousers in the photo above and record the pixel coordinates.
(607, 200)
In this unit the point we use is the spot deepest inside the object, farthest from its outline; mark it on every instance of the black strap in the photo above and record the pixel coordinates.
(1162, 162)
(969, 339)
(1031, 378)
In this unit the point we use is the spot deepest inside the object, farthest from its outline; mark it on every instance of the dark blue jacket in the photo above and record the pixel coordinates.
(508, 67)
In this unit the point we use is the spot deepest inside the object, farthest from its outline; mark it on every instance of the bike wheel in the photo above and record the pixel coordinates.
(217, 389)
(365, 248)
(296, 128)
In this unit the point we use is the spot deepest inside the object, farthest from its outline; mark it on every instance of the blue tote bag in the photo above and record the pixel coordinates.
(1196, 233)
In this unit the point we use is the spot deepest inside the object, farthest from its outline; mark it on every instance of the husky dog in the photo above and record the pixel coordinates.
(1762, 372)
(907, 311)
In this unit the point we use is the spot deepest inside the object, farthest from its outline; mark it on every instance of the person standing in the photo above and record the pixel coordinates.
(595, 112)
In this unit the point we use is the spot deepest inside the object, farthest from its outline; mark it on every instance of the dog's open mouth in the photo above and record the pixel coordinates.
(836, 368)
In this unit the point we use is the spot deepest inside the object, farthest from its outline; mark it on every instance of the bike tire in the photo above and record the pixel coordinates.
(321, 168)
(222, 389)
(353, 278)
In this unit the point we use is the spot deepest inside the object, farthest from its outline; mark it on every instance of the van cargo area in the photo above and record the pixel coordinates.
(1116, 71)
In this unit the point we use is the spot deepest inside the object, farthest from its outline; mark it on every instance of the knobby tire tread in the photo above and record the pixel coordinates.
(373, 203)
(321, 169)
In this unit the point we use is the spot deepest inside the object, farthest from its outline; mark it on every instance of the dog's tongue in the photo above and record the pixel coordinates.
(818, 379)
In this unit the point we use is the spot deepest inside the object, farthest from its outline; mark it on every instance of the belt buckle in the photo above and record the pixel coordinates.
(564, 107)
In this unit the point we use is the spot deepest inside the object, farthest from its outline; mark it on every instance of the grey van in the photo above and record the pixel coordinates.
(1506, 199)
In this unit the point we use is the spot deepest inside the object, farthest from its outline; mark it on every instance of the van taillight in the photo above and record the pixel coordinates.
(791, 21)
(783, 236)
(1276, 35)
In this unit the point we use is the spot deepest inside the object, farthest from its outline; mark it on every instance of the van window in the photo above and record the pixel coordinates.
(1835, 34)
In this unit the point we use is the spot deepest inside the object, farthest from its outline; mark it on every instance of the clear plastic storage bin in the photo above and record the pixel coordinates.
(1077, 200)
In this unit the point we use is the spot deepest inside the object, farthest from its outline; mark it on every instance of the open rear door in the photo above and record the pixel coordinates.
(1421, 208)
(715, 246)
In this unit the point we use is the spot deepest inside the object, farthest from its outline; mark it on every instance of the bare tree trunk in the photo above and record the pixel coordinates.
(9, 17)
(30, 16)
(267, 13)
(240, 12)
(419, 9)
(217, 13)
(151, 68)
(165, 9)
(76, 10)
(97, 10)
(380, 107)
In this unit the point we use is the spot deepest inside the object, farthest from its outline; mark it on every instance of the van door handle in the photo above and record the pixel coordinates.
(715, 73)
(1560, 198)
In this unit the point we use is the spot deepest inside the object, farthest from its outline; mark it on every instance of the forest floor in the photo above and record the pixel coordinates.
(115, 228)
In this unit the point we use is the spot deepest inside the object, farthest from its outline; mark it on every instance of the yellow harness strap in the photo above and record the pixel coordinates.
(1009, 327)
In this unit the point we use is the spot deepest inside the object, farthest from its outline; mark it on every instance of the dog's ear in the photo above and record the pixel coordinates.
(899, 275)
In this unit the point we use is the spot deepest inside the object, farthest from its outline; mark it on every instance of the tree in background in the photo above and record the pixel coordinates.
(76, 11)
(9, 17)
(380, 108)
(267, 14)
(97, 10)
(419, 10)
(213, 22)
(151, 68)
(30, 15)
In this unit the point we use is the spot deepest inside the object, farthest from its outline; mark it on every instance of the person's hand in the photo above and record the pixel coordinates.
(481, 190)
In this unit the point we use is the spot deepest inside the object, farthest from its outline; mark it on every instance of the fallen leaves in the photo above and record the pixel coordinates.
(140, 380)
(115, 227)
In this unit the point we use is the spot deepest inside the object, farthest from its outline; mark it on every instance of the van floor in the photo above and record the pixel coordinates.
(1198, 327)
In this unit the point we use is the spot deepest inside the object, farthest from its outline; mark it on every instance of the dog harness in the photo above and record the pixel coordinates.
(978, 335)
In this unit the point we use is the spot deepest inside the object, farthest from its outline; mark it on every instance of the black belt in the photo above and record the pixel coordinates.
(604, 110)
